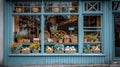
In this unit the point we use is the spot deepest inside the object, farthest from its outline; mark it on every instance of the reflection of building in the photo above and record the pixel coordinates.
(69, 33)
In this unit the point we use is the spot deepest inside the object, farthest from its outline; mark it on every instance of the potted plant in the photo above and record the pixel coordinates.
(16, 48)
(85, 38)
(20, 38)
(35, 48)
(66, 39)
(60, 39)
(74, 39)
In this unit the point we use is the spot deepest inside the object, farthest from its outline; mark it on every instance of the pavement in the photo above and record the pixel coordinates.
(113, 64)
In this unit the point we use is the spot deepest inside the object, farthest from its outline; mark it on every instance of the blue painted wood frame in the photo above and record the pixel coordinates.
(42, 58)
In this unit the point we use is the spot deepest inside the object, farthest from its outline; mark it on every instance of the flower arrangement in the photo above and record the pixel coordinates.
(16, 48)
(35, 47)
(60, 36)
(58, 48)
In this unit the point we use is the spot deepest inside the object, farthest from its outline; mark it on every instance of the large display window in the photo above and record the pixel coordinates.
(61, 24)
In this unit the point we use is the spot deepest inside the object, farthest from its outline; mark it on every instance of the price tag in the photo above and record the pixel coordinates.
(71, 28)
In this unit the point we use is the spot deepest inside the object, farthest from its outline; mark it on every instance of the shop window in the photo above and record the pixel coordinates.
(57, 7)
(116, 5)
(61, 30)
(92, 34)
(92, 6)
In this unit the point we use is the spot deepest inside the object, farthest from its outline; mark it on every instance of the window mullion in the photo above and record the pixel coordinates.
(80, 29)
(42, 29)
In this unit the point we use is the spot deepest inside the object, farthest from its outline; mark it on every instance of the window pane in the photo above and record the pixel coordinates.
(57, 7)
(27, 29)
(116, 5)
(92, 42)
(92, 21)
(60, 27)
(92, 34)
(26, 7)
(92, 6)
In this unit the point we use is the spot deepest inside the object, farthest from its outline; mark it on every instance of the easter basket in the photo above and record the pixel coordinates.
(25, 50)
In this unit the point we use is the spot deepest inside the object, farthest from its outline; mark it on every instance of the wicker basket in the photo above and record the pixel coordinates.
(16, 51)
(70, 51)
(49, 51)
(25, 51)
(74, 40)
(35, 9)
(96, 51)
(87, 51)
(35, 51)
(18, 10)
(59, 51)
(66, 40)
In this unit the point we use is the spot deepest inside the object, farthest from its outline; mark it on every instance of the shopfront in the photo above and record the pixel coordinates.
(60, 32)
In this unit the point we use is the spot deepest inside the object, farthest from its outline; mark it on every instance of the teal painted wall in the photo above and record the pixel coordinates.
(1, 32)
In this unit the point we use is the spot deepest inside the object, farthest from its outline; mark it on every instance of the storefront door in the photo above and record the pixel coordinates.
(117, 35)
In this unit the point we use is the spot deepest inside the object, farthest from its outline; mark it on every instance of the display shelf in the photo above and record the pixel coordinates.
(45, 54)
(92, 42)
(62, 43)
